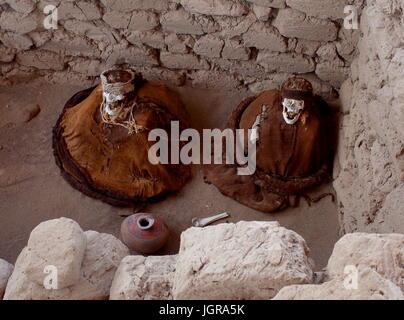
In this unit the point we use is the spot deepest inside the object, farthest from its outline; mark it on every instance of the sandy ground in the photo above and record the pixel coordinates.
(32, 190)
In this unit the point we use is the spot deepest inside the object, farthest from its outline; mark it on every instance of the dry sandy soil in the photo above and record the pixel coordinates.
(32, 190)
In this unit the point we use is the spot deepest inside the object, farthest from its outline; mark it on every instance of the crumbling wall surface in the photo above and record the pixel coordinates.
(370, 175)
(212, 43)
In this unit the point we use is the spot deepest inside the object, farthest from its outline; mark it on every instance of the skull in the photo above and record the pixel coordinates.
(292, 109)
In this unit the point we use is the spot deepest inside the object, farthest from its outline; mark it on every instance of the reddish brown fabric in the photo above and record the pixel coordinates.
(290, 158)
(103, 161)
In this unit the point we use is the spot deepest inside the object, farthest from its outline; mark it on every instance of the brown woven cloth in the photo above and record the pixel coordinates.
(290, 158)
(104, 162)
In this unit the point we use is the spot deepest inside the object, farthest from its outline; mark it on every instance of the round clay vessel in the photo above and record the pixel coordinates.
(144, 233)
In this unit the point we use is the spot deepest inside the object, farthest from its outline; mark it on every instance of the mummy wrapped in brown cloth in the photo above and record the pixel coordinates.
(101, 140)
(294, 140)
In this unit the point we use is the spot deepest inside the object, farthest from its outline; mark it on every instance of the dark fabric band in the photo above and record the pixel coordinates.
(293, 94)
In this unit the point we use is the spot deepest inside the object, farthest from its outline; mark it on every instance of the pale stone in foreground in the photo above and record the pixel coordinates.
(6, 270)
(60, 243)
(144, 278)
(247, 260)
(382, 252)
(103, 254)
(371, 286)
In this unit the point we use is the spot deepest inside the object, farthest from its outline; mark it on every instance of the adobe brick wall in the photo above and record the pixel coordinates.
(255, 44)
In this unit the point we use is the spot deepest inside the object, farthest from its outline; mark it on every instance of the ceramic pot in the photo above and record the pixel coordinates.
(144, 233)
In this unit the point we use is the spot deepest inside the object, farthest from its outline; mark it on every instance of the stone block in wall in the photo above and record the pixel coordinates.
(116, 19)
(328, 52)
(68, 76)
(64, 43)
(124, 53)
(6, 54)
(243, 68)
(272, 81)
(246, 260)
(41, 59)
(170, 77)
(92, 68)
(16, 41)
(234, 50)
(127, 6)
(333, 9)
(204, 79)
(183, 61)
(262, 13)
(234, 8)
(209, 46)
(294, 24)
(154, 39)
(21, 6)
(99, 31)
(40, 37)
(144, 278)
(143, 21)
(263, 36)
(18, 22)
(179, 43)
(269, 3)
(234, 26)
(134, 21)
(182, 22)
(332, 73)
(80, 10)
(285, 62)
(306, 47)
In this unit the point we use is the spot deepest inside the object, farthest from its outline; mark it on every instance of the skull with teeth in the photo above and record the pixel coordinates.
(296, 93)
(292, 109)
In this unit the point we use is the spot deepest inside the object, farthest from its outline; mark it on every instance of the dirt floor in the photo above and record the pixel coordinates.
(32, 190)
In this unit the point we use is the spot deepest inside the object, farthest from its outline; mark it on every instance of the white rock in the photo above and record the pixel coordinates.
(382, 252)
(60, 243)
(6, 270)
(371, 286)
(103, 254)
(144, 278)
(247, 260)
